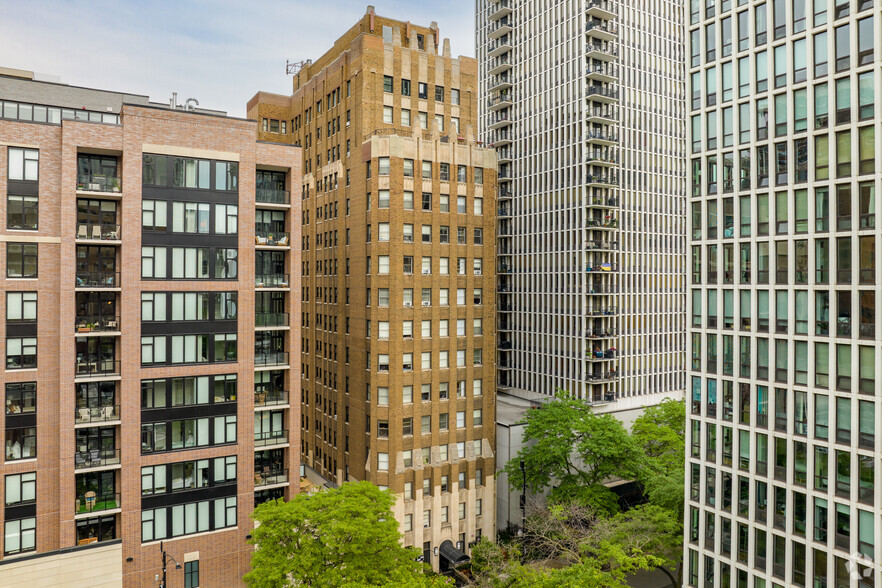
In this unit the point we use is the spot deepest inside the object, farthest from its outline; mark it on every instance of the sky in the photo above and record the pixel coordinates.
(220, 52)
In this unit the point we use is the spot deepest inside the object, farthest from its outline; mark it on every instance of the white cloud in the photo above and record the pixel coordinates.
(218, 51)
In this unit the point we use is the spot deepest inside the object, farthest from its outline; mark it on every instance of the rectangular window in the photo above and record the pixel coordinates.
(24, 164)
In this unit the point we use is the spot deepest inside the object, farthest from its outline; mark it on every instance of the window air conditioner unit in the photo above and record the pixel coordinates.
(427, 272)
(477, 272)
(426, 303)
(408, 303)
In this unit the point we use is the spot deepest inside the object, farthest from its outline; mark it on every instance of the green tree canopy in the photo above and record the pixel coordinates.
(342, 537)
(661, 433)
(570, 447)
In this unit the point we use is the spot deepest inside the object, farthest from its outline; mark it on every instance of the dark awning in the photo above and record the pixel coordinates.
(452, 554)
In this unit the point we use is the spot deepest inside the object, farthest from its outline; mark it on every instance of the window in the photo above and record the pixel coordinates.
(22, 212)
(21, 307)
(387, 83)
(21, 260)
(191, 574)
(21, 443)
(24, 164)
(21, 488)
(21, 353)
(422, 90)
(20, 536)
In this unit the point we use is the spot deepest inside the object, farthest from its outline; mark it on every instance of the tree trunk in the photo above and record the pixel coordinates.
(667, 573)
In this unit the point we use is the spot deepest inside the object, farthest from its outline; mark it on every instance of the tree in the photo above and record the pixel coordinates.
(661, 433)
(570, 447)
(342, 537)
(570, 545)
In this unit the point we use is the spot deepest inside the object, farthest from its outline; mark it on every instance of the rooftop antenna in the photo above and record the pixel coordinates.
(292, 67)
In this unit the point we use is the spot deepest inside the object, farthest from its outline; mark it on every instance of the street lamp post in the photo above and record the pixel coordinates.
(523, 505)
(166, 556)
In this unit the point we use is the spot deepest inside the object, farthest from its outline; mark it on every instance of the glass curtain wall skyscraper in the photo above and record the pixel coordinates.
(782, 487)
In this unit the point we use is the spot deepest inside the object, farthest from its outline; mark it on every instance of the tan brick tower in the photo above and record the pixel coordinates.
(398, 321)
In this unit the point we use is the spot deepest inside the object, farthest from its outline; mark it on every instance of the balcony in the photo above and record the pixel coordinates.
(98, 183)
(499, 121)
(97, 414)
(98, 232)
(501, 138)
(500, 82)
(603, 115)
(93, 280)
(600, 355)
(602, 181)
(600, 138)
(500, 27)
(270, 358)
(602, 73)
(602, 51)
(499, 65)
(271, 319)
(503, 100)
(603, 311)
(603, 94)
(602, 159)
(600, 9)
(601, 333)
(600, 30)
(270, 477)
(96, 458)
(270, 397)
(600, 378)
(502, 8)
(96, 324)
(272, 239)
(271, 281)
(607, 223)
(608, 245)
(94, 368)
(500, 47)
(266, 438)
(271, 196)
(601, 289)
(90, 502)
(601, 267)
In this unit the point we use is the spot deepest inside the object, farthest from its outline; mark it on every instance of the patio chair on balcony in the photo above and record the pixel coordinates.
(260, 240)
(283, 241)
(96, 232)
(79, 460)
(82, 232)
(107, 413)
(84, 414)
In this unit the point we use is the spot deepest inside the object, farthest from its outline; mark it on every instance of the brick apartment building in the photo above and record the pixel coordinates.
(398, 323)
(151, 377)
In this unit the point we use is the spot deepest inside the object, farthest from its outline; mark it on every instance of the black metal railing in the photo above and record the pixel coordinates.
(97, 414)
(271, 319)
(278, 238)
(270, 397)
(96, 324)
(271, 358)
(270, 477)
(97, 279)
(271, 281)
(96, 367)
(96, 458)
(271, 196)
(98, 183)
(90, 502)
(98, 232)
(264, 438)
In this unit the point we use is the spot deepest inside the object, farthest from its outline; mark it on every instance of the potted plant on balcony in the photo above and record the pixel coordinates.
(83, 327)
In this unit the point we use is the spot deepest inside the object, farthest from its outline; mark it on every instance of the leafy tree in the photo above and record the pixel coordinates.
(575, 450)
(661, 433)
(568, 545)
(342, 537)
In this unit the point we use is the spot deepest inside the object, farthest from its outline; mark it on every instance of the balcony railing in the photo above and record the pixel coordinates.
(272, 238)
(271, 358)
(604, 26)
(270, 397)
(270, 196)
(271, 319)
(603, 377)
(98, 367)
(98, 183)
(91, 502)
(97, 414)
(271, 281)
(604, 311)
(271, 477)
(270, 438)
(96, 324)
(96, 458)
(97, 279)
(98, 232)
(595, 333)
